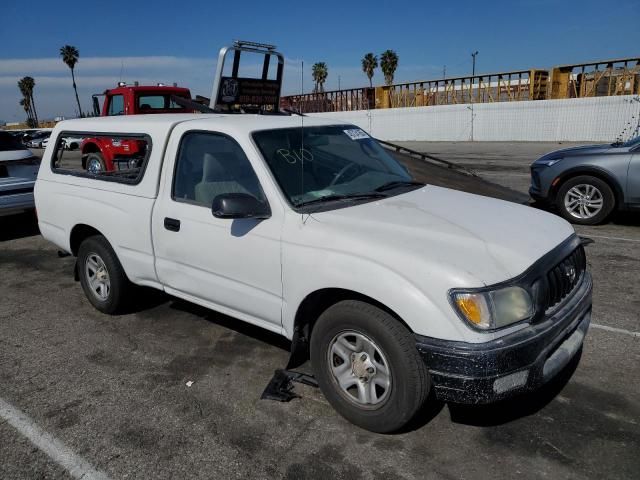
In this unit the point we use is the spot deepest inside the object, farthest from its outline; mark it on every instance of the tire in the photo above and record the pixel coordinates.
(393, 345)
(597, 195)
(95, 163)
(96, 254)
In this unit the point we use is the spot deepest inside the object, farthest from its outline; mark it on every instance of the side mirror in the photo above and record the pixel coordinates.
(239, 205)
(96, 106)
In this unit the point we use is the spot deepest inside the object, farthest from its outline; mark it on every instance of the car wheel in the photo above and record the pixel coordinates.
(585, 200)
(95, 163)
(368, 367)
(101, 275)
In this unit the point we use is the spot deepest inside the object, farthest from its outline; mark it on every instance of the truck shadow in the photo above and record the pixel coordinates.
(14, 227)
(233, 324)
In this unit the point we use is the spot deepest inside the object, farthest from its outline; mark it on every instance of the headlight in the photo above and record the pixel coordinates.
(548, 161)
(495, 308)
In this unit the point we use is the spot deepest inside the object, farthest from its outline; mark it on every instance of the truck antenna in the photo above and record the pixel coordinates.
(302, 134)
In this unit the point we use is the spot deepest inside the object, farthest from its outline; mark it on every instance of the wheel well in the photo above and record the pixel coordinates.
(86, 149)
(78, 234)
(90, 148)
(310, 310)
(615, 188)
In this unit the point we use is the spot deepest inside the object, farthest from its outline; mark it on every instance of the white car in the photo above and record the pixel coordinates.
(71, 143)
(39, 140)
(308, 228)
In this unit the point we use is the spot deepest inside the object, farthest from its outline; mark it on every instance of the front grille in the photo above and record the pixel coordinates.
(563, 278)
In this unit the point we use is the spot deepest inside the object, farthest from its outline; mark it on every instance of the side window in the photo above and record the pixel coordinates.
(116, 157)
(209, 165)
(116, 105)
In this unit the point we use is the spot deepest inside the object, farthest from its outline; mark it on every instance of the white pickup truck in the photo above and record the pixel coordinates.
(310, 229)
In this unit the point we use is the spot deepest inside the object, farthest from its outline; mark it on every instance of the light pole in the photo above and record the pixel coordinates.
(473, 70)
(473, 74)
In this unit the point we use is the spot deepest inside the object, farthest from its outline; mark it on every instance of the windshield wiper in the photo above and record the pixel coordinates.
(338, 197)
(398, 183)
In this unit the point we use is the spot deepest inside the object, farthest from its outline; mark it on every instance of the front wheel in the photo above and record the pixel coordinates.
(585, 200)
(368, 367)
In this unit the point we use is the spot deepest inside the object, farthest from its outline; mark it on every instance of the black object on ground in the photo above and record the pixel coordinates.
(280, 388)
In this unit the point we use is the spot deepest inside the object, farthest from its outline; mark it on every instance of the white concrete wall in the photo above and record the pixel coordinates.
(582, 119)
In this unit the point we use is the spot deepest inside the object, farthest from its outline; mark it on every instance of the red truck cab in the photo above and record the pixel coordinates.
(140, 100)
(111, 154)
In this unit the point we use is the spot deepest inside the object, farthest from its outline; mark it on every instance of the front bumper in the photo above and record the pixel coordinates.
(522, 361)
(539, 188)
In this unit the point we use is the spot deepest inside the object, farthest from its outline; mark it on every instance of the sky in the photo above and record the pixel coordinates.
(168, 42)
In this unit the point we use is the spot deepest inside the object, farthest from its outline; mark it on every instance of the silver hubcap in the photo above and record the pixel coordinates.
(359, 368)
(94, 166)
(97, 276)
(583, 201)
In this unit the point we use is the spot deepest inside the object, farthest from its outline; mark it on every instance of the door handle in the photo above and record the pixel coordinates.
(172, 224)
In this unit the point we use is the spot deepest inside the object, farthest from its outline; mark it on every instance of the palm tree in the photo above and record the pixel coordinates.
(320, 72)
(70, 56)
(369, 64)
(30, 84)
(23, 85)
(388, 64)
(24, 103)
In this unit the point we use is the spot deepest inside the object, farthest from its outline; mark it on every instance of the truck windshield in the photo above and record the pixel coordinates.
(328, 164)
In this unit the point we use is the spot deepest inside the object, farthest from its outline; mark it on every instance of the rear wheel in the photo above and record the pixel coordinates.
(101, 275)
(585, 200)
(368, 367)
(95, 163)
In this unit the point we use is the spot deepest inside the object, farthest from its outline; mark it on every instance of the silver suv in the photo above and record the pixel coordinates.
(587, 183)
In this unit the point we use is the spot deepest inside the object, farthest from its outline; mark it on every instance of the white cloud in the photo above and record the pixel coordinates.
(35, 66)
(54, 94)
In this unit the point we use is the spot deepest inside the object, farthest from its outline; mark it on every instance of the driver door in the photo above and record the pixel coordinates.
(230, 265)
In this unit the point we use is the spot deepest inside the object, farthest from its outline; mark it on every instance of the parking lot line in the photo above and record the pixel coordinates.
(56, 450)
(616, 330)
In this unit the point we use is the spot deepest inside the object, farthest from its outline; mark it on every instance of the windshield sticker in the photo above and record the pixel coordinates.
(356, 134)
(295, 155)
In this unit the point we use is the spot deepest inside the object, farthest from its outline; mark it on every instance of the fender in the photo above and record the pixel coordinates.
(589, 170)
(367, 279)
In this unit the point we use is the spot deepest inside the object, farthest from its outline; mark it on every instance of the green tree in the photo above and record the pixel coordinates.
(24, 103)
(319, 72)
(30, 85)
(24, 86)
(369, 64)
(388, 64)
(70, 56)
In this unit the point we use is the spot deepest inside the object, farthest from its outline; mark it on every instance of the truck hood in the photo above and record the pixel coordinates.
(469, 239)
(580, 150)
